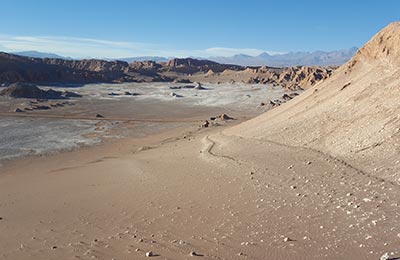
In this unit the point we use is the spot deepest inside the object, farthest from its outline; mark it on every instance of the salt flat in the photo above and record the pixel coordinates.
(68, 127)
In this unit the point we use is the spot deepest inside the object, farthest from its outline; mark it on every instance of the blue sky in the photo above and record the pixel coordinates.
(122, 28)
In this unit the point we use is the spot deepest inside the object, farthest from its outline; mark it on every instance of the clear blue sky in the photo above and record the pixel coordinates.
(172, 27)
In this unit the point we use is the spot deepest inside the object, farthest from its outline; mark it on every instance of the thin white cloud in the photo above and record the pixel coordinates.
(86, 47)
(74, 47)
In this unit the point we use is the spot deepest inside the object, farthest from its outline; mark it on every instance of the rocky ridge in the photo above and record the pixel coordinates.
(14, 68)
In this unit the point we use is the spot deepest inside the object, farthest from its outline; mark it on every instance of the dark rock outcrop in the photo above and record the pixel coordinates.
(24, 90)
(14, 68)
(190, 66)
(291, 78)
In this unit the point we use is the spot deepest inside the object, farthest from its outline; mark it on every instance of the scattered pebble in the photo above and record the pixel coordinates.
(385, 256)
(287, 239)
(194, 254)
(149, 254)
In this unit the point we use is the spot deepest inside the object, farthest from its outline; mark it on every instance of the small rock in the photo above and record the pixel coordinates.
(194, 254)
(17, 110)
(287, 239)
(99, 115)
(172, 94)
(224, 117)
(54, 247)
(149, 254)
(385, 256)
(205, 124)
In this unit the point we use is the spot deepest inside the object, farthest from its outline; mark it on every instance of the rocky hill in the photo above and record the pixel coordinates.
(353, 116)
(14, 68)
(190, 66)
(292, 77)
(25, 90)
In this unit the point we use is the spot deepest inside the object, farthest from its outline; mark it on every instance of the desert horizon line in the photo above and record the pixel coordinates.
(79, 47)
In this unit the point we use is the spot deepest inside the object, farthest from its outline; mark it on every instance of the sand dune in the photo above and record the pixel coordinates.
(353, 115)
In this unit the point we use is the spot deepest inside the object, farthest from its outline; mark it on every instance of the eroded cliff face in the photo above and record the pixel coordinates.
(191, 66)
(14, 68)
(292, 78)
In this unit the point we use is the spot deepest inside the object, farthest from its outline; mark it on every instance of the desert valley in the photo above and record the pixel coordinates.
(190, 158)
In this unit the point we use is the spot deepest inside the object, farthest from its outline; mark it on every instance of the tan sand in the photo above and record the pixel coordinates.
(201, 193)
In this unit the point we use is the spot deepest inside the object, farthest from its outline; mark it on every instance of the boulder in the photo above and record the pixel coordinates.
(224, 117)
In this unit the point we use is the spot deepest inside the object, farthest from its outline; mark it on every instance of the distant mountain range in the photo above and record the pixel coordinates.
(36, 54)
(146, 58)
(316, 58)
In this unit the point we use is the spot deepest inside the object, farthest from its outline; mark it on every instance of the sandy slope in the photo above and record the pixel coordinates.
(354, 115)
